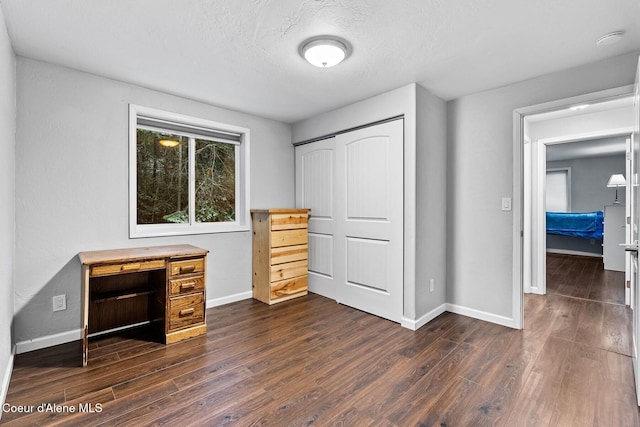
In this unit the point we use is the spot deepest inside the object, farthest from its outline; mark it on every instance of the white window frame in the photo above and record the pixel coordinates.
(241, 222)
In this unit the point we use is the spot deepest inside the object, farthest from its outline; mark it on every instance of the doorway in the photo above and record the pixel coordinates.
(531, 247)
(595, 144)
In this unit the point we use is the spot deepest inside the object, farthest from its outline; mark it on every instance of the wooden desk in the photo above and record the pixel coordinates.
(163, 285)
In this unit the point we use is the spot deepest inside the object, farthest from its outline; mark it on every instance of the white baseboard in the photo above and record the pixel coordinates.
(414, 325)
(570, 252)
(4, 387)
(482, 315)
(48, 341)
(74, 335)
(228, 299)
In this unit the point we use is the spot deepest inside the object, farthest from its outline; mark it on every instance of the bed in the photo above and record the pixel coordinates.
(578, 224)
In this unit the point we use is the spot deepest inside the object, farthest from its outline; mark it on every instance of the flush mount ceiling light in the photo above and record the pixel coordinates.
(609, 38)
(324, 51)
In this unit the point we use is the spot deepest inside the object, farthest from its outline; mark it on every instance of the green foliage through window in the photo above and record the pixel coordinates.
(163, 178)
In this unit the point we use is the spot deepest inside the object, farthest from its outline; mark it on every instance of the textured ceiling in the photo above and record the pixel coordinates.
(242, 54)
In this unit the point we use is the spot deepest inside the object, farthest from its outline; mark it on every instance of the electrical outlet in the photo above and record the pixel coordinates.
(432, 284)
(59, 302)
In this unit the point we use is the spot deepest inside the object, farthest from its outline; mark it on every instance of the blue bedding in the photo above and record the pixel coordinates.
(584, 224)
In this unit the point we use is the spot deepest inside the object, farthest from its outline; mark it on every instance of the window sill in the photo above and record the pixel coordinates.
(163, 230)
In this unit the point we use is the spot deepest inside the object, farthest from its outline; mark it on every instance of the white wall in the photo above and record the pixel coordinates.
(480, 164)
(431, 213)
(589, 177)
(7, 203)
(72, 189)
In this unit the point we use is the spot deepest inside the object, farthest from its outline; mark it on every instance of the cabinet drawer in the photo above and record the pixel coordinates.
(183, 286)
(186, 310)
(126, 267)
(289, 221)
(288, 270)
(288, 288)
(188, 266)
(289, 254)
(288, 238)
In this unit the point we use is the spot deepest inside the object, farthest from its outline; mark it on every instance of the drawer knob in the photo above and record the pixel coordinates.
(187, 268)
(187, 311)
(187, 286)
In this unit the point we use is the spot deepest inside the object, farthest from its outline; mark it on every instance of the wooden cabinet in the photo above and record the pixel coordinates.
(162, 285)
(280, 254)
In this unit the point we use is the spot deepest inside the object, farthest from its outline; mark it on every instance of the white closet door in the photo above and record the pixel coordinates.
(315, 169)
(356, 230)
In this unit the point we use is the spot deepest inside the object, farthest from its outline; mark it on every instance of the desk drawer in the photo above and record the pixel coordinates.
(188, 266)
(183, 286)
(126, 267)
(186, 310)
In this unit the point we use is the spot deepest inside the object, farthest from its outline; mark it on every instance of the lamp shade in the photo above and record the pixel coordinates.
(617, 180)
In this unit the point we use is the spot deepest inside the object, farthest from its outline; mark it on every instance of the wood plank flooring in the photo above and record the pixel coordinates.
(311, 361)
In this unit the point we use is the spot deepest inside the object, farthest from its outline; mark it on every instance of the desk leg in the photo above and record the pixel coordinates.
(85, 314)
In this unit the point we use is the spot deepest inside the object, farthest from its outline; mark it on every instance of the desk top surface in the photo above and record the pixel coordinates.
(135, 254)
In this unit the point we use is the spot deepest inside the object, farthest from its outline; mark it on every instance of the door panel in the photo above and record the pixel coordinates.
(321, 254)
(368, 264)
(367, 178)
(315, 166)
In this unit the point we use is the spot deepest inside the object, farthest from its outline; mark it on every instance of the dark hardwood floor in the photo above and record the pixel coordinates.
(311, 361)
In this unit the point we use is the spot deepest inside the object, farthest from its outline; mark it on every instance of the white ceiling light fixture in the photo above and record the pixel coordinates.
(610, 38)
(325, 51)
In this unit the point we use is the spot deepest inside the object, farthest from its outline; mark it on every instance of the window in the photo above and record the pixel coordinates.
(558, 190)
(186, 175)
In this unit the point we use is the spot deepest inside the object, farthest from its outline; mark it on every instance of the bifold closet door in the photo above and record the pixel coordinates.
(353, 184)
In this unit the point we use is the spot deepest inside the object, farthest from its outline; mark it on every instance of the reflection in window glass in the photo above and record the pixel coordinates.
(215, 193)
(162, 177)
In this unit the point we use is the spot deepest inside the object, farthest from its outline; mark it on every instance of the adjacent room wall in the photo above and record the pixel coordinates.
(480, 278)
(72, 190)
(7, 204)
(589, 193)
(589, 177)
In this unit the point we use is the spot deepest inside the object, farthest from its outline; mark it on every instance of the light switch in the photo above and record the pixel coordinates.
(506, 203)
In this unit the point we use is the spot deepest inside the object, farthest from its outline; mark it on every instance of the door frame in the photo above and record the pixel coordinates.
(519, 115)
